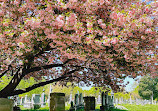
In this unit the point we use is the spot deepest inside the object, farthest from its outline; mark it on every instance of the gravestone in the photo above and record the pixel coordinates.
(99, 100)
(6, 104)
(43, 99)
(76, 101)
(36, 101)
(89, 103)
(116, 100)
(50, 91)
(70, 99)
(112, 99)
(130, 99)
(15, 98)
(72, 108)
(22, 101)
(26, 105)
(109, 101)
(81, 100)
(104, 101)
(18, 100)
(57, 102)
(102, 107)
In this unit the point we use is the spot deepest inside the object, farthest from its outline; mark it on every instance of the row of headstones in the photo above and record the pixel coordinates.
(106, 101)
(57, 102)
(130, 101)
(78, 102)
(36, 100)
(89, 102)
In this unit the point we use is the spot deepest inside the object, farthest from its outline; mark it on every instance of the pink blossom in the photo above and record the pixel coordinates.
(88, 39)
(89, 25)
(126, 57)
(103, 25)
(60, 17)
(20, 62)
(150, 52)
(146, 9)
(21, 45)
(71, 20)
(101, 2)
(105, 37)
(73, 1)
(115, 32)
(114, 41)
(107, 2)
(142, 37)
(19, 53)
(148, 31)
(100, 21)
(131, 13)
(89, 30)
(8, 61)
(141, 19)
(1, 13)
(106, 43)
(114, 15)
(60, 23)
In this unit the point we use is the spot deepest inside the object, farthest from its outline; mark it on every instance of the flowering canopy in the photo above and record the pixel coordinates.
(102, 41)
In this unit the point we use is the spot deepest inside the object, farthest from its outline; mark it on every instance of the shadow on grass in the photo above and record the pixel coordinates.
(77, 110)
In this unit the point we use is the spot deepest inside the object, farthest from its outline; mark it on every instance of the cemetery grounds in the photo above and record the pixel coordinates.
(130, 107)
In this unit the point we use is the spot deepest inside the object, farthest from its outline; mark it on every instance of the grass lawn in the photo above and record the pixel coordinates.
(148, 107)
(128, 106)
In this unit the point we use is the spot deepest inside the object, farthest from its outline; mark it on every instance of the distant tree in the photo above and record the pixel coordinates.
(148, 87)
(135, 93)
(29, 82)
(4, 81)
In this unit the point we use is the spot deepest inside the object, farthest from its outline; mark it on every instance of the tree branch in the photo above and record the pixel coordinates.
(12, 85)
(46, 67)
(3, 73)
(20, 91)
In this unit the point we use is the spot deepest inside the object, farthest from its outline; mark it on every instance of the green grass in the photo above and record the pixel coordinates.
(147, 107)
(128, 106)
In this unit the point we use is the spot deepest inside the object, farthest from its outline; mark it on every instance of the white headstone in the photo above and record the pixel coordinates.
(43, 100)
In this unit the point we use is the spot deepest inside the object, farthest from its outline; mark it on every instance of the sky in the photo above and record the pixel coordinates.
(130, 87)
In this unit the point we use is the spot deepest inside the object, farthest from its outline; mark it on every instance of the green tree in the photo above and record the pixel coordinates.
(148, 87)
(29, 82)
(4, 81)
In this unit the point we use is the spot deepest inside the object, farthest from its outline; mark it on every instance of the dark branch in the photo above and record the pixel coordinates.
(46, 67)
(5, 71)
(12, 85)
(66, 75)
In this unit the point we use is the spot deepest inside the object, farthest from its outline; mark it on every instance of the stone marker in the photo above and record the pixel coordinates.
(80, 99)
(99, 100)
(57, 102)
(26, 102)
(89, 103)
(112, 97)
(36, 101)
(76, 100)
(72, 108)
(50, 91)
(18, 100)
(70, 99)
(6, 104)
(43, 100)
(22, 101)
(104, 102)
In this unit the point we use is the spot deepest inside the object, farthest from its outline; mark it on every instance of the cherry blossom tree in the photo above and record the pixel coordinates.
(86, 41)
